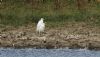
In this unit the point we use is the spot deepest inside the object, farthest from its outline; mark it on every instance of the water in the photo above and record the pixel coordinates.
(29, 52)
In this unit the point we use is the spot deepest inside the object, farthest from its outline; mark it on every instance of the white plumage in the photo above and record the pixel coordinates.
(40, 26)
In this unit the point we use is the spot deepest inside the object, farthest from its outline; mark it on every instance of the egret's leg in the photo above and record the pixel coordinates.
(39, 33)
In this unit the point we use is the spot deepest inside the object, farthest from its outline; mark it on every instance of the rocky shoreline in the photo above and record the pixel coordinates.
(71, 36)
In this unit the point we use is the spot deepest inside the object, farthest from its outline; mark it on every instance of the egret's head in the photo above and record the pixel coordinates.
(42, 18)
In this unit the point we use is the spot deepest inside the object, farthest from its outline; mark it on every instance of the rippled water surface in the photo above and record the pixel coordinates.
(29, 52)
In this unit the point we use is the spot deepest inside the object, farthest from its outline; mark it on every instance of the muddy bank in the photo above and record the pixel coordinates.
(72, 36)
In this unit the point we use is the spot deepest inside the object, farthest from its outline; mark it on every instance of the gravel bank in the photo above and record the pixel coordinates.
(72, 35)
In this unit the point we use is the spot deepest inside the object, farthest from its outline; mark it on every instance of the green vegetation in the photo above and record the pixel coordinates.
(24, 12)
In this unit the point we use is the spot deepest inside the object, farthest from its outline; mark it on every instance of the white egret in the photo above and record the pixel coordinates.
(40, 26)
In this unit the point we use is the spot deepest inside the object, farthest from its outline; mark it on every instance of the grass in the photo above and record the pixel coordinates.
(19, 14)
